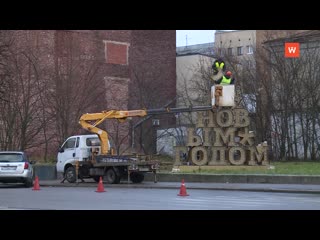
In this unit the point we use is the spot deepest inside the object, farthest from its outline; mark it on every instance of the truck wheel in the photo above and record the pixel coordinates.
(70, 174)
(112, 176)
(136, 177)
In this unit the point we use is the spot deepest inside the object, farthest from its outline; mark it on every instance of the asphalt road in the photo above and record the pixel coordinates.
(86, 198)
(258, 187)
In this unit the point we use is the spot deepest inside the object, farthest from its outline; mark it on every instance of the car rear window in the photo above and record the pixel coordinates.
(11, 157)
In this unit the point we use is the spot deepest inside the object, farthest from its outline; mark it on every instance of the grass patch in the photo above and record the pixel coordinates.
(276, 168)
(285, 168)
(297, 168)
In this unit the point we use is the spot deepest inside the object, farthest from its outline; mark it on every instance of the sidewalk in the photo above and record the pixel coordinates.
(261, 187)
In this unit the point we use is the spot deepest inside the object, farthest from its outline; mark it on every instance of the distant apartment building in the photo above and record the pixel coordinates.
(235, 43)
(193, 81)
(242, 50)
(240, 43)
(193, 63)
(192, 88)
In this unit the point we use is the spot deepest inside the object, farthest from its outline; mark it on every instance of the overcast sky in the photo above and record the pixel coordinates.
(191, 37)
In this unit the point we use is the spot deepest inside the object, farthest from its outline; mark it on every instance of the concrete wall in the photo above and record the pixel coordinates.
(45, 172)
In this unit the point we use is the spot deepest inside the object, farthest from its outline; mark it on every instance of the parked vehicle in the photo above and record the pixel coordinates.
(80, 157)
(16, 168)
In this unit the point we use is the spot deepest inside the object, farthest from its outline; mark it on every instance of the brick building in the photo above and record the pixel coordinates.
(134, 68)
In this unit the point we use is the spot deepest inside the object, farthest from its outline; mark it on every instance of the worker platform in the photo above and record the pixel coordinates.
(222, 96)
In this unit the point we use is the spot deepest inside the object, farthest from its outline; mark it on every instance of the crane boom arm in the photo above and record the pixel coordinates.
(177, 110)
(90, 121)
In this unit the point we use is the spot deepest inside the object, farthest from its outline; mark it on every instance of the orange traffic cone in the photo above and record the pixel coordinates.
(183, 190)
(100, 186)
(36, 185)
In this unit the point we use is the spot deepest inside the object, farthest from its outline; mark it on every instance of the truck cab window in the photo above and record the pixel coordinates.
(93, 142)
(78, 141)
(69, 144)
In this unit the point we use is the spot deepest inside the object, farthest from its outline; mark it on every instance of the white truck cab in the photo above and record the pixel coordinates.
(78, 147)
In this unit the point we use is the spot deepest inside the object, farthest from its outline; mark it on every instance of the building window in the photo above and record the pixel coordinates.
(155, 122)
(116, 52)
(239, 51)
(249, 50)
(230, 51)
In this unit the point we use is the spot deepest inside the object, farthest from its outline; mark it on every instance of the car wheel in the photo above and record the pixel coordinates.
(29, 183)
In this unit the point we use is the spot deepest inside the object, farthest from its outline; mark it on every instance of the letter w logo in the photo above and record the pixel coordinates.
(292, 50)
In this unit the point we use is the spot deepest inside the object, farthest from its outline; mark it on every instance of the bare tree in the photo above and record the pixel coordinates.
(6, 40)
(149, 93)
(291, 91)
(77, 87)
(117, 99)
(46, 92)
(20, 110)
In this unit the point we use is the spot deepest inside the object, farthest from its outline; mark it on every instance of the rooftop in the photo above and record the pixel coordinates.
(311, 35)
(203, 49)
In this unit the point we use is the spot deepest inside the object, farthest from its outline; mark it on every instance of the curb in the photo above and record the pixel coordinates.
(237, 178)
(176, 185)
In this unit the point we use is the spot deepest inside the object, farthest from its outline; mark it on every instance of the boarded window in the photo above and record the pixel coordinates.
(116, 53)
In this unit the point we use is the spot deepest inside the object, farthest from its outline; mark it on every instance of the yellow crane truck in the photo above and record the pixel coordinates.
(89, 156)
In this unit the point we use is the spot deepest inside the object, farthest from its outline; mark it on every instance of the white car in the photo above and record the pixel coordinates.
(16, 168)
